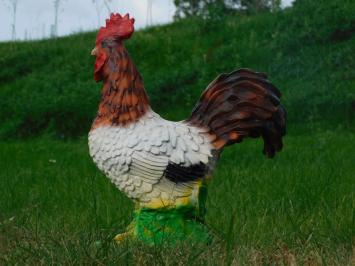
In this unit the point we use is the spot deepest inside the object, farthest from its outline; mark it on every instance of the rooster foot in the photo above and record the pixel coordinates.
(120, 238)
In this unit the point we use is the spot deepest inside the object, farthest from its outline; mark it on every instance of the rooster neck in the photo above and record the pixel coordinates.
(124, 99)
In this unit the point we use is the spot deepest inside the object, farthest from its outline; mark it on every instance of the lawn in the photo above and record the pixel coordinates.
(56, 207)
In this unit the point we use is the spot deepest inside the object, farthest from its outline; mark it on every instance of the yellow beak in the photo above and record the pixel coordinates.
(94, 51)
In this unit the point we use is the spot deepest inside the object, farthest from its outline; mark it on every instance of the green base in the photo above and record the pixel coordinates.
(168, 226)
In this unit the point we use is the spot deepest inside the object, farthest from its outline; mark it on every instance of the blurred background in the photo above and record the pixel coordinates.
(26, 20)
(47, 87)
(296, 209)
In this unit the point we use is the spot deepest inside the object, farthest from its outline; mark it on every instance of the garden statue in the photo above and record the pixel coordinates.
(164, 166)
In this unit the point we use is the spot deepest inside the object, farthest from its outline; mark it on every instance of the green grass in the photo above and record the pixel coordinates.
(47, 87)
(57, 208)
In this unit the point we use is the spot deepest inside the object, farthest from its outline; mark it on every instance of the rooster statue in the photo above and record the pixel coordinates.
(164, 166)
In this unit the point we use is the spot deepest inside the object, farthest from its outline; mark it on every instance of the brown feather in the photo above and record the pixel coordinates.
(123, 97)
(239, 105)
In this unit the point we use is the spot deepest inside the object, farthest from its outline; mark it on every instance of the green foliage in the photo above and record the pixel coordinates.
(187, 7)
(211, 8)
(324, 21)
(201, 8)
(47, 87)
(256, 6)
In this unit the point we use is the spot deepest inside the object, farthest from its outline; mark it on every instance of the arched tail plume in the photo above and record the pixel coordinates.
(242, 104)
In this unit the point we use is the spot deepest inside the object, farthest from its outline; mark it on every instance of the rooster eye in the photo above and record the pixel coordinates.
(109, 44)
(104, 44)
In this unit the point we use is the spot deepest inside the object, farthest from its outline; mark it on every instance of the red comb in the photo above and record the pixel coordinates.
(116, 27)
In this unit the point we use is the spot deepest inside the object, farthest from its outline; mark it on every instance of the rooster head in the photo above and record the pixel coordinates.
(117, 29)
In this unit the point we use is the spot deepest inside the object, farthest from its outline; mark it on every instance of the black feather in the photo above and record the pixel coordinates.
(180, 174)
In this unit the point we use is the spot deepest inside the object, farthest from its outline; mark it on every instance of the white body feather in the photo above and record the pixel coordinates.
(135, 157)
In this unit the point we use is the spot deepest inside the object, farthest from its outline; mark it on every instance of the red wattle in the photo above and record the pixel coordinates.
(99, 63)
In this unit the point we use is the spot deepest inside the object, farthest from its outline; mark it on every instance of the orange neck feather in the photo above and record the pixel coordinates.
(124, 99)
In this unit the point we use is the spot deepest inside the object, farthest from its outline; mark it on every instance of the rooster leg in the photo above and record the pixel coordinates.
(120, 238)
(128, 235)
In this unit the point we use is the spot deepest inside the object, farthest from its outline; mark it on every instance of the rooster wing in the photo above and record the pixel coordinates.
(153, 159)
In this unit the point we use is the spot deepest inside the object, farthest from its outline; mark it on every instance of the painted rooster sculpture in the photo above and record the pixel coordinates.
(164, 166)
